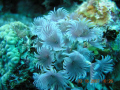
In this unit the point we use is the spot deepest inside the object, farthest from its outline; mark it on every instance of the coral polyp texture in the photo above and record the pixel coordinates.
(98, 11)
(13, 47)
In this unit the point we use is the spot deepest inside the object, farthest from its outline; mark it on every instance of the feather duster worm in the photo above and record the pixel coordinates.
(44, 57)
(75, 66)
(50, 79)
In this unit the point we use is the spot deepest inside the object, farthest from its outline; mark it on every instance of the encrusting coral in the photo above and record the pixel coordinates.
(98, 11)
(10, 55)
(14, 43)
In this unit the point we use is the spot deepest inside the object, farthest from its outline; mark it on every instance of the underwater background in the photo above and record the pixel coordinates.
(59, 45)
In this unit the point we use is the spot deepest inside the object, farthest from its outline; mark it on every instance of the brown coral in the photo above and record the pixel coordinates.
(98, 11)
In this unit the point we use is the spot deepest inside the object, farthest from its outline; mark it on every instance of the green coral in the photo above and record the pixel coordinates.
(116, 44)
(14, 42)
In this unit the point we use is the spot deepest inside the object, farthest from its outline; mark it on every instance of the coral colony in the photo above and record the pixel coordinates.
(61, 55)
(63, 50)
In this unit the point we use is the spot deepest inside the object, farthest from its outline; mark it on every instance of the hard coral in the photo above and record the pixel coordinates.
(97, 11)
(13, 46)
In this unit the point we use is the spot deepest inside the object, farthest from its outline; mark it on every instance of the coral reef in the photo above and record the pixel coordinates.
(98, 11)
(9, 17)
(14, 44)
(62, 50)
